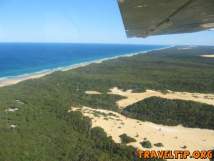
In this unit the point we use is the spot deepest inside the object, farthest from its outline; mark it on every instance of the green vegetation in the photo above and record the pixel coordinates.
(99, 114)
(146, 144)
(158, 145)
(184, 147)
(45, 131)
(172, 112)
(170, 69)
(126, 139)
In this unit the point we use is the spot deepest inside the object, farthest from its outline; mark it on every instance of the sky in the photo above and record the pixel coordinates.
(96, 21)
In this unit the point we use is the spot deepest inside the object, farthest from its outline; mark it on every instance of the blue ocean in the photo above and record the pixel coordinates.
(25, 58)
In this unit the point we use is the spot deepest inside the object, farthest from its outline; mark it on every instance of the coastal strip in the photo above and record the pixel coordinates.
(11, 80)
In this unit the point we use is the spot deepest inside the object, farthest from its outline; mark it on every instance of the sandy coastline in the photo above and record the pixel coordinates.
(6, 81)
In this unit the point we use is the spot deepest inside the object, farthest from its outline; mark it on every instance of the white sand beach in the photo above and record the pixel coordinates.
(16, 79)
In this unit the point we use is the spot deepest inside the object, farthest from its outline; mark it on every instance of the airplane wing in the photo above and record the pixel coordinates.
(144, 18)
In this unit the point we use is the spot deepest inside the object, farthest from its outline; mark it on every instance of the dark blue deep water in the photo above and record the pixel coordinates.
(23, 58)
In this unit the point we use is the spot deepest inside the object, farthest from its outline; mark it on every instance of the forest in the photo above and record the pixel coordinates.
(42, 129)
(172, 112)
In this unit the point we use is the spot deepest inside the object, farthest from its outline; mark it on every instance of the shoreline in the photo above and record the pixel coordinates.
(11, 80)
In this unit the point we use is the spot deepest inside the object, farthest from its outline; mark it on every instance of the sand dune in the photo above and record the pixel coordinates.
(208, 56)
(132, 97)
(173, 138)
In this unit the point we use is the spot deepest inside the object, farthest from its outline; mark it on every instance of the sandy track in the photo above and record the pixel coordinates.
(132, 97)
(173, 138)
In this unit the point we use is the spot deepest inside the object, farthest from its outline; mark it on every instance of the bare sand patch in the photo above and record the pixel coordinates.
(208, 56)
(11, 110)
(132, 97)
(13, 126)
(172, 137)
(92, 92)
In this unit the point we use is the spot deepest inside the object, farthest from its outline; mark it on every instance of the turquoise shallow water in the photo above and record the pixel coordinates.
(25, 58)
